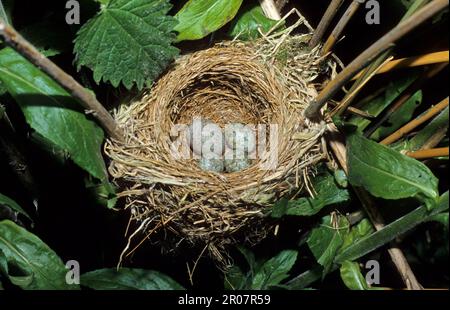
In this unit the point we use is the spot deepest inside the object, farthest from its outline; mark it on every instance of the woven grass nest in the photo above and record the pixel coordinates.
(269, 81)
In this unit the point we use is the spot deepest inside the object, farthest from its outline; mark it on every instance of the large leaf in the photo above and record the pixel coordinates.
(235, 279)
(4, 200)
(275, 270)
(198, 18)
(388, 174)
(53, 113)
(328, 192)
(400, 117)
(128, 279)
(352, 276)
(326, 239)
(28, 262)
(358, 232)
(129, 41)
(248, 24)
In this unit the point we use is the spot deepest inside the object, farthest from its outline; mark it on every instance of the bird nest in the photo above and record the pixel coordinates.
(266, 83)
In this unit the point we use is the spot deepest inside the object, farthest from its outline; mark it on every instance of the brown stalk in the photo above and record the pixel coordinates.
(404, 97)
(86, 98)
(431, 153)
(400, 133)
(337, 31)
(370, 54)
(325, 22)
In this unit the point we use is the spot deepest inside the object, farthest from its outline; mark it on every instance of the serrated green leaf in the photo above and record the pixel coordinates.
(326, 239)
(275, 270)
(36, 266)
(128, 279)
(129, 41)
(400, 117)
(53, 113)
(4, 200)
(388, 174)
(352, 277)
(198, 18)
(247, 24)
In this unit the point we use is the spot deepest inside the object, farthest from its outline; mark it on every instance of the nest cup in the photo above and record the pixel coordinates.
(228, 83)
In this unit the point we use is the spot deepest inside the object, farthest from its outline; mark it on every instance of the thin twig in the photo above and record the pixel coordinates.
(337, 31)
(370, 54)
(337, 145)
(325, 22)
(431, 153)
(403, 98)
(411, 62)
(400, 133)
(86, 98)
(435, 139)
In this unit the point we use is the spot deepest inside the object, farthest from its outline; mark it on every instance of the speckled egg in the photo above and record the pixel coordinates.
(212, 164)
(240, 137)
(206, 138)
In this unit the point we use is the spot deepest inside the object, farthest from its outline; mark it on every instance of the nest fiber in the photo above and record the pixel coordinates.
(172, 198)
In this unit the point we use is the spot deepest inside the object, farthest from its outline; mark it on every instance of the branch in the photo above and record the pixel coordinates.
(370, 54)
(411, 62)
(86, 98)
(431, 153)
(325, 22)
(400, 133)
(337, 31)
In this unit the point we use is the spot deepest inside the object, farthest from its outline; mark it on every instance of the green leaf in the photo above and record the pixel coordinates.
(442, 218)
(326, 239)
(53, 113)
(275, 270)
(352, 276)
(439, 123)
(248, 24)
(358, 232)
(400, 117)
(129, 41)
(374, 106)
(388, 174)
(128, 279)
(392, 231)
(30, 263)
(328, 192)
(198, 18)
(12, 205)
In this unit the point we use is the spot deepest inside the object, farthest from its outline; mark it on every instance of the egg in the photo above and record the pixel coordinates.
(240, 137)
(206, 138)
(211, 164)
(236, 160)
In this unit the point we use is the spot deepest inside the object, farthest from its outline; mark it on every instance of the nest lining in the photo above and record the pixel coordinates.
(231, 82)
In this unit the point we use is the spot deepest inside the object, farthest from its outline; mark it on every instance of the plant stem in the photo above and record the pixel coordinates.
(325, 22)
(404, 97)
(370, 54)
(337, 31)
(411, 62)
(86, 98)
(400, 133)
(337, 144)
(431, 153)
